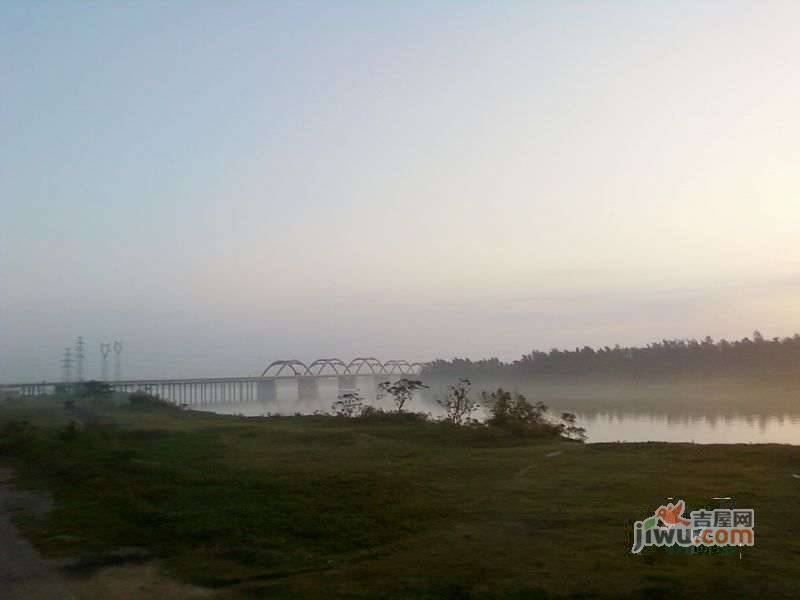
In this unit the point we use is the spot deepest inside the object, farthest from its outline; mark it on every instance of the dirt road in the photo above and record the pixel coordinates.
(24, 574)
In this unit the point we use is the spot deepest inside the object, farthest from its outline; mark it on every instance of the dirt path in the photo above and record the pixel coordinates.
(24, 574)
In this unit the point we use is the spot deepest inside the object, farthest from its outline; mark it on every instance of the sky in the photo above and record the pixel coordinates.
(220, 185)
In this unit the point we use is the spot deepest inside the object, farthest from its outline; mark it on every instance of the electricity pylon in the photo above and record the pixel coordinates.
(80, 346)
(105, 348)
(66, 365)
(117, 361)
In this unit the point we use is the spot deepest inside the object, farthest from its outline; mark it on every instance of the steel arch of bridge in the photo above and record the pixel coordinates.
(396, 366)
(293, 364)
(334, 363)
(371, 365)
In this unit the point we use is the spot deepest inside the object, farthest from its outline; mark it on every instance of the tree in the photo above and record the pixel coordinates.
(569, 427)
(507, 408)
(748, 355)
(458, 405)
(349, 404)
(514, 413)
(401, 391)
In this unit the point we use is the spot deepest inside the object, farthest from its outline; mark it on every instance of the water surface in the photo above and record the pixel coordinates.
(704, 413)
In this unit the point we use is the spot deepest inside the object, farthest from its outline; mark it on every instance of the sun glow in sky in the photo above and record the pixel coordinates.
(224, 184)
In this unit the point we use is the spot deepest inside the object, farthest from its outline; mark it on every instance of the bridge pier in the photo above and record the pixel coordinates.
(266, 391)
(307, 388)
(365, 384)
(347, 383)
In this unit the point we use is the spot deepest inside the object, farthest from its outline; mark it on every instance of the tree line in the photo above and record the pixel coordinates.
(754, 354)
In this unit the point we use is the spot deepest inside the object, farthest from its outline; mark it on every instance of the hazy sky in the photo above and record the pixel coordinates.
(221, 184)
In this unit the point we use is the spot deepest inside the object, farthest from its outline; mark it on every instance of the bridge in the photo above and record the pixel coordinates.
(261, 388)
(335, 366)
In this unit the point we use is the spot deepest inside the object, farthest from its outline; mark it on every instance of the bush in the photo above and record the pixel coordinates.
(349, 404)
(569, 428)
(70, 432)
(458, 405)
(145, 400)
(372, 414)
(17, 436)
(513, 412)
(369, 411)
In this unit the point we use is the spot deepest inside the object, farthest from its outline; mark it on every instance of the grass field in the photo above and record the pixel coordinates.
(389, 507)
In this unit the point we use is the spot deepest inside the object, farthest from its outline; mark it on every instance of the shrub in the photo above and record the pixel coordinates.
(145, 400)
(513, 412)
(17, 436)
(349, 404)
(70, 432)
(458, 405)
(370, 413)
(570, 429)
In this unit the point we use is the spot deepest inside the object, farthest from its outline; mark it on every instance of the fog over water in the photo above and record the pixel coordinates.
(610, 412)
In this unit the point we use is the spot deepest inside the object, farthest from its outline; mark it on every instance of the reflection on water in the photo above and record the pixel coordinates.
(289, 400)
(634, 420)
(611, 427)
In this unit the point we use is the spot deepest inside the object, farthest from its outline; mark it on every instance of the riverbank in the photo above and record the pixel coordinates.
(395, 507)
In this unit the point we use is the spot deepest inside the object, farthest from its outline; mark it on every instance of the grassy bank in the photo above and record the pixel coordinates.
(328, 507)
